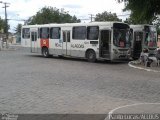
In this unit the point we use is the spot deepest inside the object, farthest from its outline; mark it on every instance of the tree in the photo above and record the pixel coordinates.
(18, 28)
(51, 15)
(130, 20)
(143, 11)
(2, 24)
(107, 16)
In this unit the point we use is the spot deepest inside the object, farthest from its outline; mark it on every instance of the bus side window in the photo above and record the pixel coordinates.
(44, 33)
(55, 32)
(68, 36)
(92, 32)
(64, 37)
(38, 32)
(79, 33)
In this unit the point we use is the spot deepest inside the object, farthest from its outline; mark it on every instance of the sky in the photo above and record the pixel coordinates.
(23, 9)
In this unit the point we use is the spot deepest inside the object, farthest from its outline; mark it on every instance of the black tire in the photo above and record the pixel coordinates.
(60, 56)
(91, 56)
(45, 52)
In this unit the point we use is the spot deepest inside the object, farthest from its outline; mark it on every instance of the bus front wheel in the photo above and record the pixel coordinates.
(91, 56)
(45, 52)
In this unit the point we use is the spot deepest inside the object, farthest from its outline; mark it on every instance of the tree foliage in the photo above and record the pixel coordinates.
(52, 15)
(142, 11)
(18, 28)
(2, 24)
(131, 20)
(107, 16)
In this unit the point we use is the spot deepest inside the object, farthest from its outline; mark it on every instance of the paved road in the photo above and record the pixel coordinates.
(33, 84)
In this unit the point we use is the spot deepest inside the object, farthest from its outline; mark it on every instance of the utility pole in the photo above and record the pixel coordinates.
(91, 17)
(6, 20)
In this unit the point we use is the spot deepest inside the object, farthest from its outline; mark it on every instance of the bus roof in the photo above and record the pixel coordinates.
(140, 25)
(71, 24)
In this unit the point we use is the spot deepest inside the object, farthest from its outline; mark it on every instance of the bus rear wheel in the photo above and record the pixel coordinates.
(91, 56)
(45, 52)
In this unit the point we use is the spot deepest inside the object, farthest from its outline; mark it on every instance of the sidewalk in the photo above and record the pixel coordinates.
(10, 47)
(136, 64)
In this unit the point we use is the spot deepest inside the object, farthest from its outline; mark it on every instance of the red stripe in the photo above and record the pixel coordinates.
(44, 43)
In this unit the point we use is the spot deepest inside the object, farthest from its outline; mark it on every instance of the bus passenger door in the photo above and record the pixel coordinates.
(105, 42)
(137, 44)
(66, 42)
(34, 47)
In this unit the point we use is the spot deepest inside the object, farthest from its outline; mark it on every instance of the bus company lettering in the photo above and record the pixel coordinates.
(77, 45)
(58, 45)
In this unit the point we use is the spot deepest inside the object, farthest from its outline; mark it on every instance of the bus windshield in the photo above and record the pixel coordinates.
(121, 38)
(150, 36)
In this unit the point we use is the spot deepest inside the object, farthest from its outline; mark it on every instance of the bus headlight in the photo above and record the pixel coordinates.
(115, 51)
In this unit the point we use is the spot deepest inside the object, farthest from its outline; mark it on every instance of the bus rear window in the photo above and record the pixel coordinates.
(26, 33)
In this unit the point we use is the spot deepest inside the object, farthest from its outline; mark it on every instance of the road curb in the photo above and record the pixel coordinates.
(8, 49)
(134, 110)
(141, 68)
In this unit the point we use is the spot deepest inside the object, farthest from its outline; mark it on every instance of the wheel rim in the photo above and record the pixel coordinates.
(45, 53)
(91, 56)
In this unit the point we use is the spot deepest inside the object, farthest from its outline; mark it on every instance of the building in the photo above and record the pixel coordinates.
(12, 39)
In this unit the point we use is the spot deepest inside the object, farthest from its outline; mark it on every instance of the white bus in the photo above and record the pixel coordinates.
(93, 41)
(143, 36)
